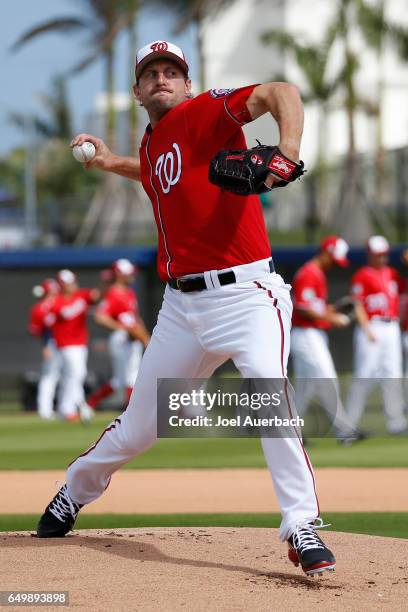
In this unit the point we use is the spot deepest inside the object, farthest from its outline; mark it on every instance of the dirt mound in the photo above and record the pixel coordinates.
(205, 569)
(185, 491)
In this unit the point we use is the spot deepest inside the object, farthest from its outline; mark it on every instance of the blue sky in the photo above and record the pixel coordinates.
(28, 73)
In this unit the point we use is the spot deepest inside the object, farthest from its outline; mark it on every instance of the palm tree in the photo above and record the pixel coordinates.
(58, 122)
(319, 88)
(104, 20)
(132, 7)
(377, 32)
(312, 59)
(341, 28)
(371, 23)
(193, 12)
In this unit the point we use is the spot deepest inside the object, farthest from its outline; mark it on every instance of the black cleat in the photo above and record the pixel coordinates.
(59, 516)
(352, 437)
(307, 549)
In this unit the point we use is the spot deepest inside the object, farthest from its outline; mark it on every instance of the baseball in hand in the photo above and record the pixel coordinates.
(84, 152)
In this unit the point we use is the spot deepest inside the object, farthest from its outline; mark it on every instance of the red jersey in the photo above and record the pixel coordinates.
(70, 328)
(199, 226)
(120, 303)
(378, 290)
(310, 293)
(41, 318)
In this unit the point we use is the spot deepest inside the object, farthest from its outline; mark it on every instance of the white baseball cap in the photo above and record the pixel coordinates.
(123, 266)
(66, 277)
(159, 49)
(378, 245)
(337, 249)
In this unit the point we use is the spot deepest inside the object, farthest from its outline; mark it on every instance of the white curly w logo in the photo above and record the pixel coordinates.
(168, 168)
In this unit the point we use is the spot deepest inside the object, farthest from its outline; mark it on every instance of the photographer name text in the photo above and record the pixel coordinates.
(248, 421)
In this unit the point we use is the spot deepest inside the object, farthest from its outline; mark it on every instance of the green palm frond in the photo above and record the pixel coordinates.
(64, 25)
(399, 38)
(311, 59)
(372, 22)
(85, 62)
(101, 21)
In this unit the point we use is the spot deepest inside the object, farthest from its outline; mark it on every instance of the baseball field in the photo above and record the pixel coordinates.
(196, 520)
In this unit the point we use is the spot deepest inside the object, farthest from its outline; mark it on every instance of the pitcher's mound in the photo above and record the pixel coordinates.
(206, 569)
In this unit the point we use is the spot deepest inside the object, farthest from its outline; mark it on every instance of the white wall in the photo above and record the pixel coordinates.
(236, 57)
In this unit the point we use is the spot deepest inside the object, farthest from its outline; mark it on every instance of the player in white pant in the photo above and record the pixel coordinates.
(50, 375)
(377, 338)
(119, 311)
(313, 365)
(222, 298)
(71, 336)
(199, 325)
(40, 325)
(126, 356)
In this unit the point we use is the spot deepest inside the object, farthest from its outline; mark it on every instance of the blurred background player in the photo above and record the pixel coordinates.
(119, 312)
(106, 278)
(404, 325)
(377, 337)
(41, 325)
(70, 308)
(312, 317)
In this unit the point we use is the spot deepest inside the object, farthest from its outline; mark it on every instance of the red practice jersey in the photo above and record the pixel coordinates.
(199, 226)
(120, 303)
(378, 290)
(41, 317)
(70, 328)
(309, 293)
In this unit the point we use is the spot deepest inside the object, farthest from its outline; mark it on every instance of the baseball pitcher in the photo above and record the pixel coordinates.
(223, 298)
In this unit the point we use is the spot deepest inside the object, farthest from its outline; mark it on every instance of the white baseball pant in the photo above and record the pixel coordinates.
(378, 362)
(50, 373)
(249, 322)
(404, 337)
(316, 376)
(126, 356)
(73, 374)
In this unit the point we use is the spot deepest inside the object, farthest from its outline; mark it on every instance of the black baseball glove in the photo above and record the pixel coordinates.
(346, 305)
(245, 171)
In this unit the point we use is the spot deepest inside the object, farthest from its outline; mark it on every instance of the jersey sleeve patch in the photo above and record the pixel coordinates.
(220, 93)
(357, 289)
(308, 294)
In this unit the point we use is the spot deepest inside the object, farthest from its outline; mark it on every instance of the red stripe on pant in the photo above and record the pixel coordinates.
(109, 428)
(275, 302)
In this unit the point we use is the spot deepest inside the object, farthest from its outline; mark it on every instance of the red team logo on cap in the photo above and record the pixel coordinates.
(159, 46)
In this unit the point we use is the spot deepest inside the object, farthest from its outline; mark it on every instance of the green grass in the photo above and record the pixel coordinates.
(391, 524)
(26, 443)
